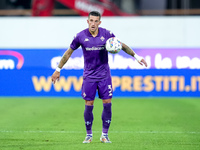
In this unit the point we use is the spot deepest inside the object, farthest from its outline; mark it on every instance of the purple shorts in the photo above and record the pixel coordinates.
(104, 88)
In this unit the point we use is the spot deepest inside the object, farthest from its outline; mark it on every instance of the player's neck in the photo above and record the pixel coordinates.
(95, 33)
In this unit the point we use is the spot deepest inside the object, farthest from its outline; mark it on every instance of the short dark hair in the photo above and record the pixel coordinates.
(95, 13)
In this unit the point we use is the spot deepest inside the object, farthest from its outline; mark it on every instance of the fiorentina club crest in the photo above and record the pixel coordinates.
(102, 38)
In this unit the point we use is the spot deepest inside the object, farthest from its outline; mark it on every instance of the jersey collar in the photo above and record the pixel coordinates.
(89, 34)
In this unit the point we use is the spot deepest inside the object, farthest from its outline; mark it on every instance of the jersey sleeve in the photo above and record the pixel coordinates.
(75, 43)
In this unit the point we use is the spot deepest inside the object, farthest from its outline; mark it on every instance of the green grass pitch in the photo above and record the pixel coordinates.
(137, 124)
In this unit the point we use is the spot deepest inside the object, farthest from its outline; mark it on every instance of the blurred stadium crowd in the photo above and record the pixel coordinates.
(110, 7)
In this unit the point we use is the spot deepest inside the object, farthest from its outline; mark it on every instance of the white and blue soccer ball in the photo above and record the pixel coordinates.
(113, 45)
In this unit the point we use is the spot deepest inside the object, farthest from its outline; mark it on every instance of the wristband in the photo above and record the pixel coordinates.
(138, 58)
(58, 69)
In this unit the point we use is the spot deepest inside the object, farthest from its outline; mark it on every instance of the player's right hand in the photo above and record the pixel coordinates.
(55, 77)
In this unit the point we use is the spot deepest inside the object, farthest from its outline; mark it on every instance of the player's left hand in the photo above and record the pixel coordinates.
(55, 77)
(142, 62)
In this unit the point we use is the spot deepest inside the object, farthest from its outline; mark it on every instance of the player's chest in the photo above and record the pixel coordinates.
(98, 41)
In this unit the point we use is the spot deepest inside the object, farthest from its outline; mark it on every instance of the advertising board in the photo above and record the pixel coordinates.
(170, 72)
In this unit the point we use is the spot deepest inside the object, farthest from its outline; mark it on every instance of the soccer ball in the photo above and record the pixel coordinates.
(113, 45)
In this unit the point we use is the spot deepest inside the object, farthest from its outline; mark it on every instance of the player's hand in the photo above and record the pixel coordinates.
(55, 77)
(142, 62)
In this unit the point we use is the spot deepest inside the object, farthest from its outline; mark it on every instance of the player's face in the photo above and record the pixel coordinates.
(93, 22)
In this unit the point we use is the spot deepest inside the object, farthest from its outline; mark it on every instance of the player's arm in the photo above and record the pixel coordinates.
(64, 59)
(129, 51)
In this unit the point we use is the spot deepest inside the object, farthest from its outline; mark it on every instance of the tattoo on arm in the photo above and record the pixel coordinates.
(127, 49)
(65, 57)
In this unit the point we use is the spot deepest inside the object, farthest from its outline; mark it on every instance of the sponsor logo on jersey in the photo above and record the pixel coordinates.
(86, 39)
(94, 48)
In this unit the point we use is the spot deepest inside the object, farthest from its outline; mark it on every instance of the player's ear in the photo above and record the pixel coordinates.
(99, 22)
(87, 21)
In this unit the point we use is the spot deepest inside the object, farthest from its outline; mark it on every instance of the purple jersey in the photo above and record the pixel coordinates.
(95, 54)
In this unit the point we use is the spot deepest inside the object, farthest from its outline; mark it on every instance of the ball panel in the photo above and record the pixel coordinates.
(113, 45)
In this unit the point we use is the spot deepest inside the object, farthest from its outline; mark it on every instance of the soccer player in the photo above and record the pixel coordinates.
(96, 75)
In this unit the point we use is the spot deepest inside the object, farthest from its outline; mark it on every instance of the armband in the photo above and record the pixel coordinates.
(58, 69)
(137, 57)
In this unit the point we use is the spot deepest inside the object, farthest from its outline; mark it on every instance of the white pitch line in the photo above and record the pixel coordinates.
(130, 132)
